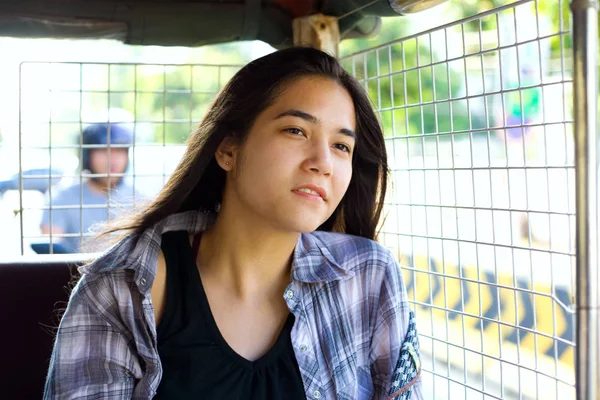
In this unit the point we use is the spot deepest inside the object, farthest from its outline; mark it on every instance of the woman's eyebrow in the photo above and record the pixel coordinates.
(300, 114)
(348, 132)
(313, 120)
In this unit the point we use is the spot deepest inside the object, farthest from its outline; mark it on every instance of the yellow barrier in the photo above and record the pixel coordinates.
(506, 320)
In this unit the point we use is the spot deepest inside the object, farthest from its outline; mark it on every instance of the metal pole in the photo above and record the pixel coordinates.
(587, 152)
(21, 159)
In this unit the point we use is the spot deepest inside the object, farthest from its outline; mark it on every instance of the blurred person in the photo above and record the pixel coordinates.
(254, 274)
(96, 199)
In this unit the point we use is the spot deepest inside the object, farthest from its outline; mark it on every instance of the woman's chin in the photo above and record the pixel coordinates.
(305, 226)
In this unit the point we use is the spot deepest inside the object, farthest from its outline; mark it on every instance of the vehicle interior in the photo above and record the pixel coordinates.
(489, 112)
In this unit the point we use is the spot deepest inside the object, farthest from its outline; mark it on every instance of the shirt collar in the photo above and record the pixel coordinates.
(139, 251)
(312, 261)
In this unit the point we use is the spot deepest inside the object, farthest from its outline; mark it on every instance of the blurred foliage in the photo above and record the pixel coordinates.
(170, 100)
(400, 96)
(420, 90)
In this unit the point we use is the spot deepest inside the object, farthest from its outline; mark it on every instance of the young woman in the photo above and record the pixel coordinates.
(254, 274)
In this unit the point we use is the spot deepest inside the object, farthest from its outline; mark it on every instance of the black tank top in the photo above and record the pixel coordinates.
(197, 362)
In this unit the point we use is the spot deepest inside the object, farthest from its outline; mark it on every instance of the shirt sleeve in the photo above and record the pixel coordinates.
(395, 364)
(91, 358)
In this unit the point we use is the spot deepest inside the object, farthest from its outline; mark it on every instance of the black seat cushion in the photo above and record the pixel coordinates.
(31, 296)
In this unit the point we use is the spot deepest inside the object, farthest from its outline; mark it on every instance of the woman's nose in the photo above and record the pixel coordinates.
(319, 158)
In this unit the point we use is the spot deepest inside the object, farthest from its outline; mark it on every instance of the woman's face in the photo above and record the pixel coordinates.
(296, 163)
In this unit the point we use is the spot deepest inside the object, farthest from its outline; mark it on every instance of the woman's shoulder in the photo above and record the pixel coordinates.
(132, 258)
(115, 290)
(344, 247)
(366, 272)
(138, 251)
(350, 256)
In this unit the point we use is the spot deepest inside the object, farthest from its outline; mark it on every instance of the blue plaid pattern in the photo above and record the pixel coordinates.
(346, 292)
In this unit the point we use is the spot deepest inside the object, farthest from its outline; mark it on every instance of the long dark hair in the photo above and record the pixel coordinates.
(198, 181)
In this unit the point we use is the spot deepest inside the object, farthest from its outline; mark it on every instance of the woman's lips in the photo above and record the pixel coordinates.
(312, 191)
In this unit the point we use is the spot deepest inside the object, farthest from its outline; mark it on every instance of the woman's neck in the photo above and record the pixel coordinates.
(251, 257)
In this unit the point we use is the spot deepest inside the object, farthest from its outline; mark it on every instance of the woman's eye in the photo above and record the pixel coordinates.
(294, 131)
(342, 147)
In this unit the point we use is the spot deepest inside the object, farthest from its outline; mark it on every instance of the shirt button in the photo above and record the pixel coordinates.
(303, 348)
(143, 282)
(317, 394)
(289, 294)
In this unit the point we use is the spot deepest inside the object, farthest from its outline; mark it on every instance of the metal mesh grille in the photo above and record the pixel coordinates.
(478, 121)
(161, 104)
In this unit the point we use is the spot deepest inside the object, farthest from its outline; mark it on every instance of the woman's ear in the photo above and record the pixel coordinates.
(226, 154)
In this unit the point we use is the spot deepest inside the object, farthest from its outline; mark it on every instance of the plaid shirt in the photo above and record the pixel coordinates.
(346, 293)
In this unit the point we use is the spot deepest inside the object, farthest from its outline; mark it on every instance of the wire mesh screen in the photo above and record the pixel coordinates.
(478, 121)
(158, 105)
